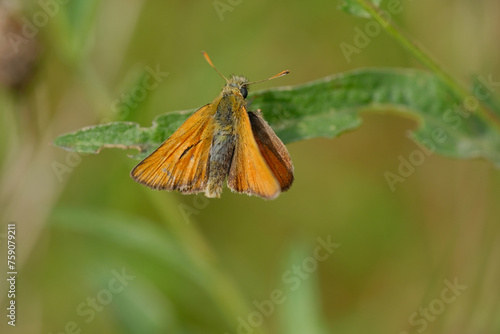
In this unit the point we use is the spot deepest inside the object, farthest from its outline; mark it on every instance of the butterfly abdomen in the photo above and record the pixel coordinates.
(221, 155)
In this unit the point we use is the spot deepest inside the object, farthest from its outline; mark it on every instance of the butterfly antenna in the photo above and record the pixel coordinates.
(273, 77)
(207, 58)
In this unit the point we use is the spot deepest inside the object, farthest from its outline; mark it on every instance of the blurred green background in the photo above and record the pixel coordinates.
(239, 264)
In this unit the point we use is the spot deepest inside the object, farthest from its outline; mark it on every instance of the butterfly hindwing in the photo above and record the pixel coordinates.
(273, 150)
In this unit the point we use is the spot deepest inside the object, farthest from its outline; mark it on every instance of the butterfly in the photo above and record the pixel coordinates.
(221, 140)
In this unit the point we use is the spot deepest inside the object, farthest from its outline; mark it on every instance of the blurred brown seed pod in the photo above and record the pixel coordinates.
(18, 52)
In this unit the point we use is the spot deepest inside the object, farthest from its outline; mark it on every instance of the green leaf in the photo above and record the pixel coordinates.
(123, 135)
(329, 107)
(354, 8)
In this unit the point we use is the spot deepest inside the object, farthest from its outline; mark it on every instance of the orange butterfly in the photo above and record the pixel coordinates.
(221, 140)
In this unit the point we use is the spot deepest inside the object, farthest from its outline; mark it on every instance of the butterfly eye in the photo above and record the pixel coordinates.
(244, 92)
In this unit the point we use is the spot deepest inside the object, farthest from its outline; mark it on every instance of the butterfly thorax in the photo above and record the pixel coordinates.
(231, 99)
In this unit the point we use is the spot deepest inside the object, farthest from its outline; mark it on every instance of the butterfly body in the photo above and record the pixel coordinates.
(224, 137)
(220, 140)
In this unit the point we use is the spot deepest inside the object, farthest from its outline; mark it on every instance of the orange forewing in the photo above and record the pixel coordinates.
(249, 172)
(273, 150)
(181, 162)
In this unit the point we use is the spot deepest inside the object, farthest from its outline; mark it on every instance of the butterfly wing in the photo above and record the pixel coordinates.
(273, 150)
(249, 172)
(181, 162)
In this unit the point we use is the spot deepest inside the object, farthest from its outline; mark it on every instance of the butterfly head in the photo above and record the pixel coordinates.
(236, 85)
